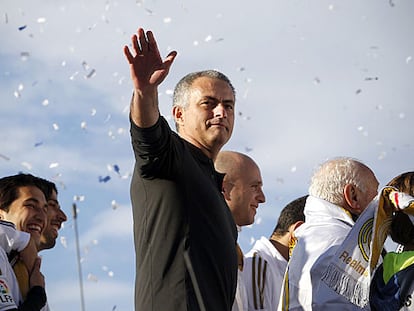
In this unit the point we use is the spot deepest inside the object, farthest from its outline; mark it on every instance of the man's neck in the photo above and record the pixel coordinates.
(281, 245)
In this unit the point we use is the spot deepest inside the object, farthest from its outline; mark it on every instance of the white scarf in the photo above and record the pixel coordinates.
(349, 273)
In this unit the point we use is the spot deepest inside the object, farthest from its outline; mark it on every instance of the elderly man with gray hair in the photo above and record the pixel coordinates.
(339, 192)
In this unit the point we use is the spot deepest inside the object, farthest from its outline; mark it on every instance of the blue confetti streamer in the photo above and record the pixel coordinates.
(104, 179)
(22, 27)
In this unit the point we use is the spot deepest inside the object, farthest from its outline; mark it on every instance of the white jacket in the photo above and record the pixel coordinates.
(325, 228)
(263, 273)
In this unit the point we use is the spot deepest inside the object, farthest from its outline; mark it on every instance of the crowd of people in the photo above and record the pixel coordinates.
(190, 199)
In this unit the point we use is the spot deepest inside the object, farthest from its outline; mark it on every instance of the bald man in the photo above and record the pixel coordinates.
(242, 190)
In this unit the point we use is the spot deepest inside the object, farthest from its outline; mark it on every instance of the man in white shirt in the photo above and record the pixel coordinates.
(265, 264)
(339, 191)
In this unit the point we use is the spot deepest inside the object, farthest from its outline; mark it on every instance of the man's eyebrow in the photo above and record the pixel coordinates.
(31, 200)
(217, 99)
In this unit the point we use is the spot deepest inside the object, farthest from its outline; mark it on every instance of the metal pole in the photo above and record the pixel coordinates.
(75, 216)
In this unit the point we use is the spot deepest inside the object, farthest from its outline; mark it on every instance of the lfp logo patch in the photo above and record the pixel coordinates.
(6, 298)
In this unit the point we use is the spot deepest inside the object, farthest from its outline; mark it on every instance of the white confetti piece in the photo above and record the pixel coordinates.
(72, 77)
(55, 126)
(24, 56)
(408, 59)
(27, 165)
(63, 242)
(110, 274)
(208, 38)
(79, 198)
(83, 125)
(114, 205)
(53, 165)
(167, 20)
(293, 169)
(41, 20)
(92, 278)
(93, 112)
(382, 155)
(45, 102)
(195, 43)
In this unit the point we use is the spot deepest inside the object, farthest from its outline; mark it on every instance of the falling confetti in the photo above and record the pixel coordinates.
(22, 27)
(55, 126)
(104, 179)
(167, 20)
(45, 102)
(91, 74)
(114, 205)
(27, 165)
(79, 198)
(24, 56)
(41, 20)
(4, 157)
(53, 165)
(408, 59)
(38, 144)
(358, 91)
(83, 125)
(64, 242)
(92, 277)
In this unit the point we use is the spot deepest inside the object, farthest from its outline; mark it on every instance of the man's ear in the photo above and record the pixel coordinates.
(226, 190)
(177, 112)
(2, 214)
(296, 225)
(351, 198)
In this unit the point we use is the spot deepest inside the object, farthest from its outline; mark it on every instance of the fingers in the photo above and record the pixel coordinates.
(128, 54)
(37, 263)
(170, 58)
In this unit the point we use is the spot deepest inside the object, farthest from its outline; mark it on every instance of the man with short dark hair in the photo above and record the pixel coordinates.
(266, 262)
(185, 236)
(23, 204)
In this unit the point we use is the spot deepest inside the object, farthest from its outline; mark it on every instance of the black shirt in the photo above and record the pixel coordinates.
(177, 207)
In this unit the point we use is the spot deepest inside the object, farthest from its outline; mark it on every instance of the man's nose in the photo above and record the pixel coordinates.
(220, 111)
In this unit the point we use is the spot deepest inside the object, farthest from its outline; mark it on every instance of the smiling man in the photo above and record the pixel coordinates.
(23, 206)
(55, 216)
(242, 190)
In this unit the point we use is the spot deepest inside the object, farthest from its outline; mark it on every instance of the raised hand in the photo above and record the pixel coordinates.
(147, 68)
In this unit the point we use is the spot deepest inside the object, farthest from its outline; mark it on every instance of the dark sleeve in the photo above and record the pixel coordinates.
(155, 150)
(35, 300)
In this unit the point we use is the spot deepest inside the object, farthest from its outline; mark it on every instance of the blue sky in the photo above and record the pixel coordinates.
(314, 79)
